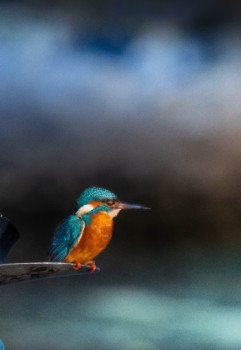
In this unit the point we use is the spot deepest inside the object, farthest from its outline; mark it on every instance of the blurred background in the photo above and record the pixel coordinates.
(142, 98)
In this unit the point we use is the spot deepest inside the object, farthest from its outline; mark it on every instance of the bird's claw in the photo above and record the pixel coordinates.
(93, 266)
(77, 266)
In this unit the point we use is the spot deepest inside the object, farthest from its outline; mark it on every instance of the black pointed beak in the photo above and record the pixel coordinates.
(121, 205)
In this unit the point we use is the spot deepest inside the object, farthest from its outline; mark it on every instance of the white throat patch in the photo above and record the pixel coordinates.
(84, 210)
(113, 213)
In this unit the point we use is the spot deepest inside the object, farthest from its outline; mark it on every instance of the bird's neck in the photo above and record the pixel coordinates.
(86, 211)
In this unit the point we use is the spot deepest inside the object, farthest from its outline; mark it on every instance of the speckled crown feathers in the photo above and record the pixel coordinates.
(94, 194)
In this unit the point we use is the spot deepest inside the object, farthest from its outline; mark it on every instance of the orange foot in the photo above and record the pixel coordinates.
(77, 265)
(92, 265)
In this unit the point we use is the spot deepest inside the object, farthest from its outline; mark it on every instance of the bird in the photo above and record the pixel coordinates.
(82, 236)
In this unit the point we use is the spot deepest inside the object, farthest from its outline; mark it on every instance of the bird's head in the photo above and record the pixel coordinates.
(94, 197)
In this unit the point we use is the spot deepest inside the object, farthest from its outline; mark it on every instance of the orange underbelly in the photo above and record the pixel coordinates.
(94, 239)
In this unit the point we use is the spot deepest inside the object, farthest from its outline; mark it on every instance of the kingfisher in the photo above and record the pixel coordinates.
(82, 236)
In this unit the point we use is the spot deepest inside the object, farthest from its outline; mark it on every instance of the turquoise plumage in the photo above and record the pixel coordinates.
(66, 236)
(94, 193)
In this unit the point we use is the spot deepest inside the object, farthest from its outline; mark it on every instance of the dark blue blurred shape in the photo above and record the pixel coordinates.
(8, 236)
(111, 43)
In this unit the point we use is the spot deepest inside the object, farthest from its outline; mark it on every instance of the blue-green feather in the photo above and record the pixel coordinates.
(65, 238)
(94, 194)
(87, 217)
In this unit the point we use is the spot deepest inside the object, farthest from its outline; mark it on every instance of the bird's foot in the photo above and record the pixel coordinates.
(77, 265)
(92, 265)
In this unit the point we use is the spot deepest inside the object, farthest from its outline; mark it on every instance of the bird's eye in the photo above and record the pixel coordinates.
(109, 201)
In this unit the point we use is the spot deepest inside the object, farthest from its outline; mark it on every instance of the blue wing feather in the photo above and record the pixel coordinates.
(65, 238)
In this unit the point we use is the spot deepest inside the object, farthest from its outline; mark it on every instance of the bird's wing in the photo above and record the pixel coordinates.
(66, 236)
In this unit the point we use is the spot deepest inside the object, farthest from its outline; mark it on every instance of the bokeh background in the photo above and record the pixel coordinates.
(142, 98)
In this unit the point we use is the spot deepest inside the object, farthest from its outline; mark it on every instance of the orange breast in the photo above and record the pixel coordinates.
(94, 239)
